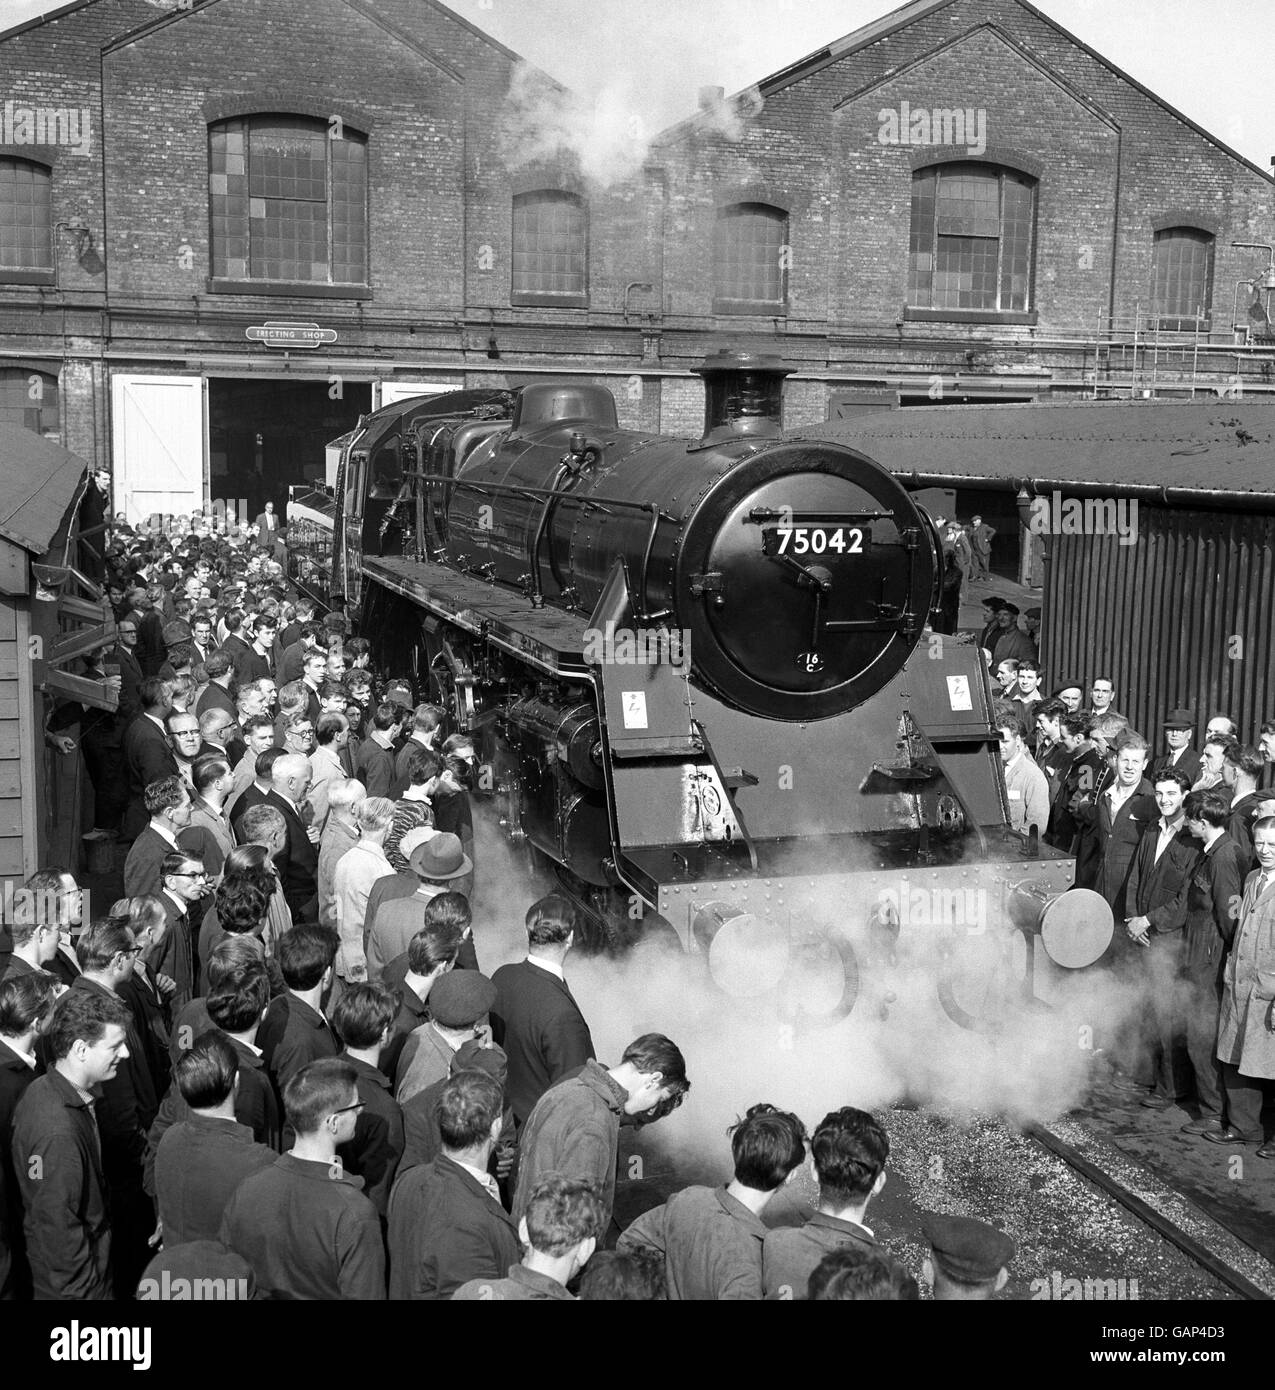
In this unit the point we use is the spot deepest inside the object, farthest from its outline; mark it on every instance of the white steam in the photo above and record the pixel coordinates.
(608, 132)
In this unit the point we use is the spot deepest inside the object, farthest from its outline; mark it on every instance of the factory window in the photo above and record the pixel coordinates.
(1182, 277)
(550, 250)
(26, 223)
(750, 260)
(972, 243)
(29, 397)
(288, 205)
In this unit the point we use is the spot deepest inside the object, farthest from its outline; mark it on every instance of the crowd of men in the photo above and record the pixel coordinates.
(1180, 842)
(276, 1062)
(274, 1066)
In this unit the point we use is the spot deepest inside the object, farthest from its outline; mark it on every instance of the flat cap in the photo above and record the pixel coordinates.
(1069, 685)
(1010, 608)
(460, 998)
(994, 602)
(965, 1249)
(476, 1055)
(1032, 613)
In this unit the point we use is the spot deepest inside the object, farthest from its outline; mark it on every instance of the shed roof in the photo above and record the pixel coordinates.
(38, 482)
(1222, 448)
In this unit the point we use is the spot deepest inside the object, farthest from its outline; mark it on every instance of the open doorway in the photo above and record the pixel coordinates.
(266, 433)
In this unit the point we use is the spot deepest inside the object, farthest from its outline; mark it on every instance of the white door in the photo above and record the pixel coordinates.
(387, 392)
(158, 439)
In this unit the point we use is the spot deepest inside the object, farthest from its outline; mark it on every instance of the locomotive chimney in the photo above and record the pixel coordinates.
(743, 394)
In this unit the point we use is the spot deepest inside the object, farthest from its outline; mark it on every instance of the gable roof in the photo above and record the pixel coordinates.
(40, 481)
(898, 19)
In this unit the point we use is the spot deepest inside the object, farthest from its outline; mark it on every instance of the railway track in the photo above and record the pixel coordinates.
(1159, 1221)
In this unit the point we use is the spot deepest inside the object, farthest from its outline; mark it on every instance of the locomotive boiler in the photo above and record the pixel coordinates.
(702, 683)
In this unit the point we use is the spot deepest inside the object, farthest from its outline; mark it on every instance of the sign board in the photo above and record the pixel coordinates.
(290, 335)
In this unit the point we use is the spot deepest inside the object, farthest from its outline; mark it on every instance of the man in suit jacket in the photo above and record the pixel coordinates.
(25, 1003)
(124, 655)
(1154, 917)
(169, 806)
(183, 881)
(148, 754)
(1124, 810)
(57, 1153)
(1178, 724)
(446, 1223)
(216, 694)
(267, 524)
(535, 1018)
(1217, 887)
(299, 862)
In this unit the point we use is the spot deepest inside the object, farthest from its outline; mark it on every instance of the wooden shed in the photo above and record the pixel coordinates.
(1149, 526)
(49, 615)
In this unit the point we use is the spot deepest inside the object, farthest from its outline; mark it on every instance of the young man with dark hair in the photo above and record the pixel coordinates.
(303, 1224)
(427, 725)
(235, 1006)
(711, 1237)
(148, 756)
(447, 1225)
(430, 954)
(25, 1003)
(258, 792)
(363, 1017)
(374, 766)
(219, 692)
(57, 1152)
(294, 1031)
(1155, 913)
(1217, 886)
(412, 808)
(848, 1154)
(535, 1018)
(1025, 784)
(968, 1259)
(564, 1220)
(637, 1276)
(1242, 769)
(575, 1126)
(852, 1275)
(202, 1159)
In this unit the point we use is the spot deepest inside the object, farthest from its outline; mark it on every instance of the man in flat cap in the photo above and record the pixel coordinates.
(1178, 724)
(1010, 639)
(992, 605)
(1072, 694)
(968, 1259)
(459, 1004)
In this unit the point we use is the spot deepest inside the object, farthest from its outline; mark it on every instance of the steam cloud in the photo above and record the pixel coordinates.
(607, 133)
(898, 1043)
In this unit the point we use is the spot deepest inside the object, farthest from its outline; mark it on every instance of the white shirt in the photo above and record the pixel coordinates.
(481, 1176)
(164, 833)
(29, 1058)
(1168, 829)
(551, 966)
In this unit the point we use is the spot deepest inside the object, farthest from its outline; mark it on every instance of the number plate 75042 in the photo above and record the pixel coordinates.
(815, 540)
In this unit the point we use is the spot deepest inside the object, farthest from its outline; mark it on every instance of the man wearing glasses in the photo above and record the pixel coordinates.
(129, 1101)
(303, 1224)
(184, 882)
(183, 734)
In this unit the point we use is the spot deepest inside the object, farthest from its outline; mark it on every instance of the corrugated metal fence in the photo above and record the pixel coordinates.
(1183, 616)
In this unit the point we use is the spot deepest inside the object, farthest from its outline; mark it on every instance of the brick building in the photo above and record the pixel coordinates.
(959, 200)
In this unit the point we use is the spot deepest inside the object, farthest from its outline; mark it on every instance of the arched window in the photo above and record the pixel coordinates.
(26, 222)
(973, 238)
(550, 250)
(288, 201)
(750, 259)
(1182, 276)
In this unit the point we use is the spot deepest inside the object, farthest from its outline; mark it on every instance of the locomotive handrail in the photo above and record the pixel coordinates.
(593, 502)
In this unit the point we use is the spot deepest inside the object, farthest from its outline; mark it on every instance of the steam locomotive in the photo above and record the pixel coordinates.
(703, 686)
